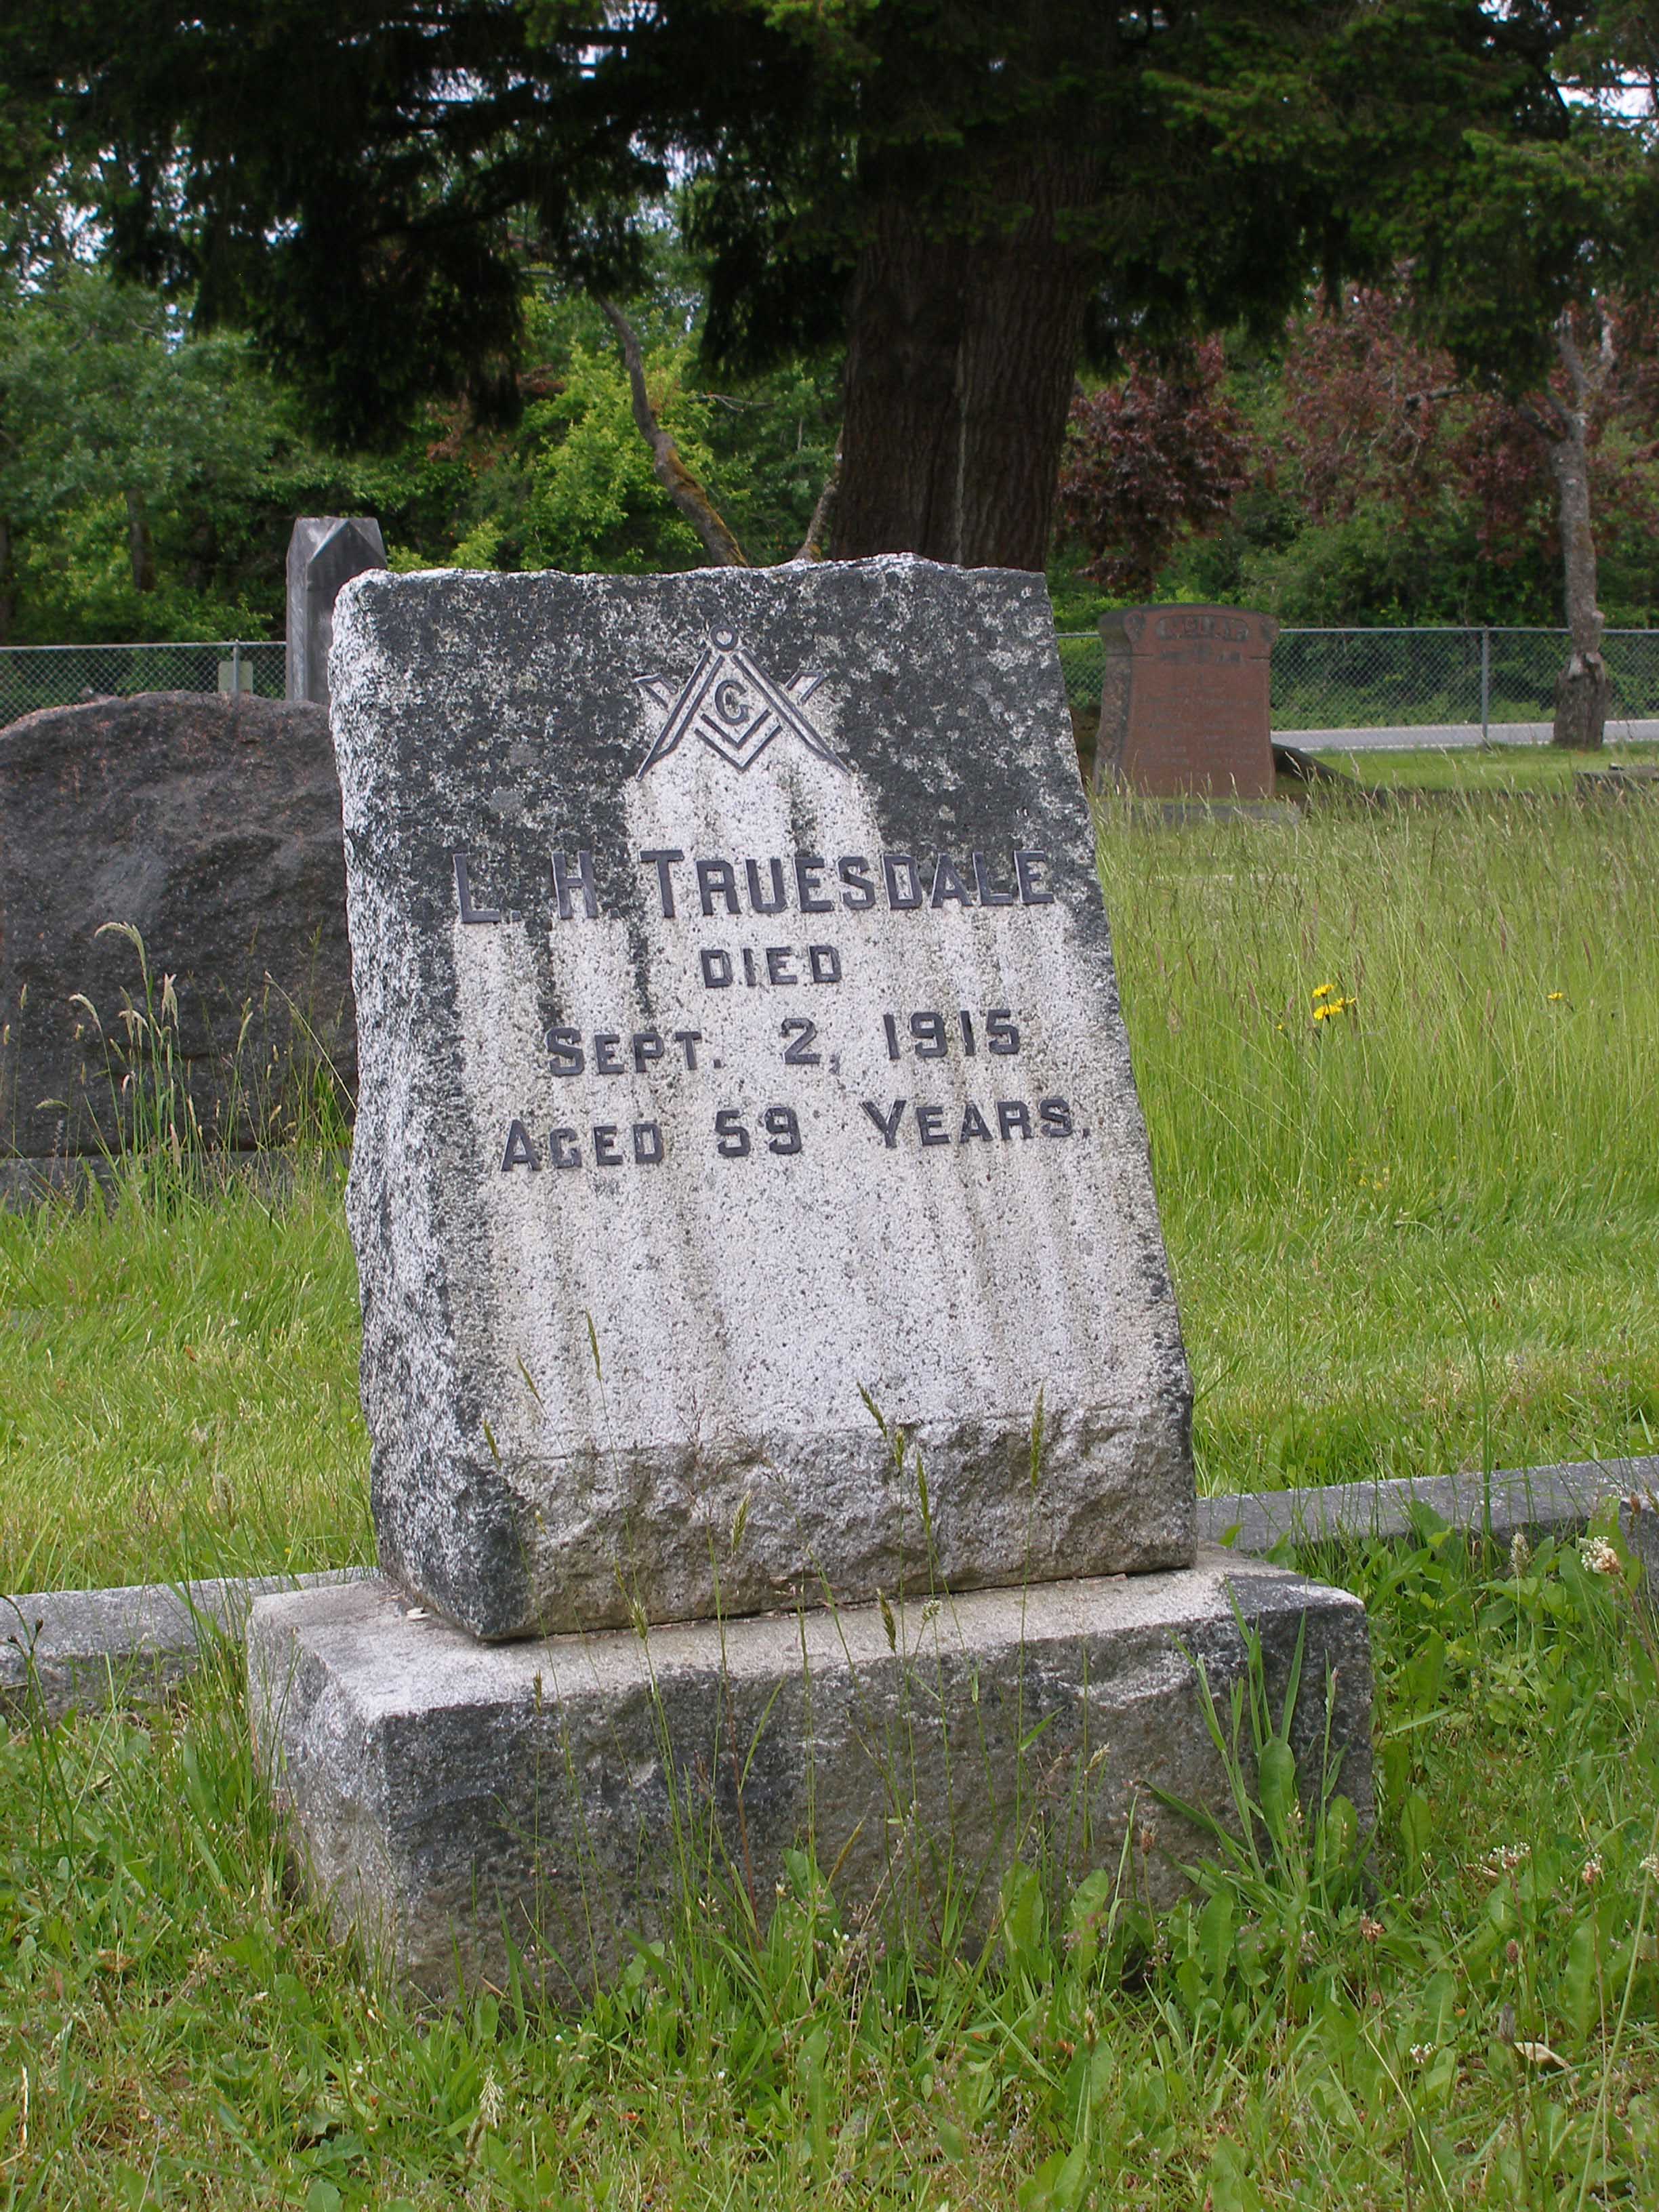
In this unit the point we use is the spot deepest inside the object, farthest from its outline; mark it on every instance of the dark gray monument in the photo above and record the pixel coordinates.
(324, 552)
(210, 824)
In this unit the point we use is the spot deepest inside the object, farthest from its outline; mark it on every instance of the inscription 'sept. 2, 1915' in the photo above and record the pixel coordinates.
(743, 1091)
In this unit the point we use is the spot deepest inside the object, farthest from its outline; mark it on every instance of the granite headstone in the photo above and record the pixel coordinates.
(1185, 710)
(324, 552)
(210, 824)
(751, 1197)
(753, 1216)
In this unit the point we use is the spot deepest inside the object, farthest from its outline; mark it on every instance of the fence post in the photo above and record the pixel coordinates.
(235, 668)
(1485, 686)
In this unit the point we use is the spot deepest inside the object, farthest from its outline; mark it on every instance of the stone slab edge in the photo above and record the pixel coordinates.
(127, 1647)
(449, 1799)
(1529, 1501)
(88, 1648)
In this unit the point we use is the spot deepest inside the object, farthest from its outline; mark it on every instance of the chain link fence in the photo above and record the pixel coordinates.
(1425, 687)
(33, 676)
(1373, 687)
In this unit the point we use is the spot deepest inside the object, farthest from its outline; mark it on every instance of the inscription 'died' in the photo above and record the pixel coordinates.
(711, 888)
(731, 706)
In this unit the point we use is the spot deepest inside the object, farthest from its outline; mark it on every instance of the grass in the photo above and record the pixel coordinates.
(1422, 1233)
(1419, 1236)
(178, 1394)
(1495, 767)
(1471, 2021)
(1418, 1232)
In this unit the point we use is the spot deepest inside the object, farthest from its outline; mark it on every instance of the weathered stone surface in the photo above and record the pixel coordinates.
(1185, 710)
(450, 1797)
(324, 551)
(65, 1650)
(87, 1649)
(1558, 1500)
(645, 1203)
(212, 825)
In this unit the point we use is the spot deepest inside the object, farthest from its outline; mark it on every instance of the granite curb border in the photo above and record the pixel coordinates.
(1529, 1501)
(60, 1650)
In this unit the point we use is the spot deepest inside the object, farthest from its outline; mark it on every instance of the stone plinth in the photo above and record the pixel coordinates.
(455, 1798)
(1185, 710)
(747, 1139)
(324, 551)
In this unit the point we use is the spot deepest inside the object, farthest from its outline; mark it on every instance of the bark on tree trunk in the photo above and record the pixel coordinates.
(671, 471)
(959, 377)
(141, 548)
(8, 582)
(1583, 690)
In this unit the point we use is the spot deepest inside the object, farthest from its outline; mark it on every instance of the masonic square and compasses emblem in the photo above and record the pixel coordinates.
(734, 706)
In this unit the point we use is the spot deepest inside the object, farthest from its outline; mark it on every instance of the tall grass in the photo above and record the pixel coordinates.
(1427, 1224)
(179, 1386)
(1417, 1235)
(1478, 2028)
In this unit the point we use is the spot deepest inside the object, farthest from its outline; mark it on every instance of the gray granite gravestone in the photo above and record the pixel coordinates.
(211, 825)
(753, 1212)
(324, 552)
(740, 1060)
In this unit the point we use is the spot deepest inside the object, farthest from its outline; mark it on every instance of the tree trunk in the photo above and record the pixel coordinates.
(141, 547)
(1583, 690)
(669, 471)
(959, 373)
(8, 582)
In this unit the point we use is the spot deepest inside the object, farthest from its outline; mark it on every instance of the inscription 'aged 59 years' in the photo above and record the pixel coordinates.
(745, 1108)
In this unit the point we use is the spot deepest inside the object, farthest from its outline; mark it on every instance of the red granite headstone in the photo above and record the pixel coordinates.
(1184, 709)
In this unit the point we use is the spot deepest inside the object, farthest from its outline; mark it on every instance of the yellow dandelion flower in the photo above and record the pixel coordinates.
(1556, 997)
(1325, 991)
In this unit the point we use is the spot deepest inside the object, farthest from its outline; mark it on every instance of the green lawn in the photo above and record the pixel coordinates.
(1414, 1233)
(1495, 767)
(1421, 1233)
(1467, 2018)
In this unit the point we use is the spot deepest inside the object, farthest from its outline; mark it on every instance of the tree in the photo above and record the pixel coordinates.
(149, 477)
(1150, 460)
(973, 195)
(1371, 413)
(1530, 265)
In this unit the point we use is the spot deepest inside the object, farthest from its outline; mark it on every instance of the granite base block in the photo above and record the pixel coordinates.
(456, 1801)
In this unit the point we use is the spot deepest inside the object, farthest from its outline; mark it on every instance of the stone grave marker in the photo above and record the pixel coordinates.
(324, 552)
(763, 1293)
(740, 1060)
(1185, 710)
(209, 824)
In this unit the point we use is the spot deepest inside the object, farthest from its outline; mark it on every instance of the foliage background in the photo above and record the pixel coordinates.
(1271, 476)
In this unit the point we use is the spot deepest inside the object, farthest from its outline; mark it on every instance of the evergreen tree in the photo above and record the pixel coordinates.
(972, 192)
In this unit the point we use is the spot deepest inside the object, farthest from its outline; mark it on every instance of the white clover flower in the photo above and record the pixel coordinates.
(1599, 1556)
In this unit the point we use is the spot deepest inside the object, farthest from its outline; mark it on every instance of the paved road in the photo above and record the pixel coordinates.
(1446, 736)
